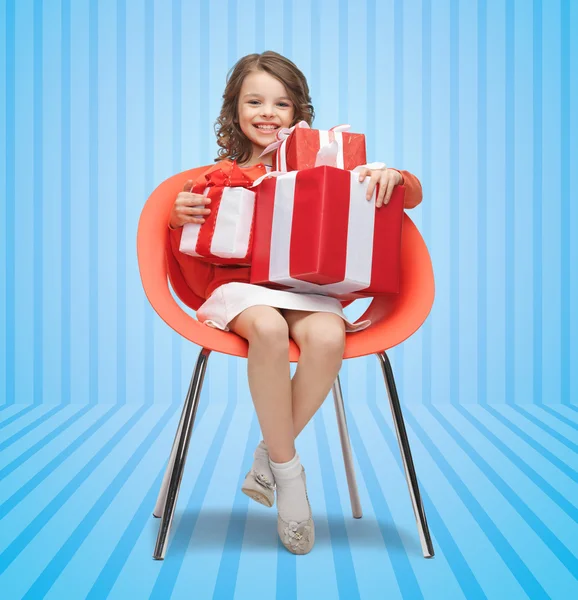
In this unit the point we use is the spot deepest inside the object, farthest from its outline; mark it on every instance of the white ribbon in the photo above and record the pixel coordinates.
(270, 174)
(282, 135)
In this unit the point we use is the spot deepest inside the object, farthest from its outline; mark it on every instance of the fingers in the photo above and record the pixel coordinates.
(191, 208)
(387, 184)
(188, 186)
(381, 195)
(199, 220)
(363, 173)
(385, 191)
(190, 199)
(195, 214)
(197, 211)
(390, 186)
(375, 178)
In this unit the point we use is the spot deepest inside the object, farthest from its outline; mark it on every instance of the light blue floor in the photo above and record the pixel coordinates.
(499, 485)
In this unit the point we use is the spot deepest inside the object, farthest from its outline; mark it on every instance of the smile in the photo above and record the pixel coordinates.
(266, 128)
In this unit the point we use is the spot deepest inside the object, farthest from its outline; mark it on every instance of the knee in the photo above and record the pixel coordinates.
(270, 330)
(325, 339)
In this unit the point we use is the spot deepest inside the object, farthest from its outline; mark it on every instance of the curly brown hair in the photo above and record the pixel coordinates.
(232, 141)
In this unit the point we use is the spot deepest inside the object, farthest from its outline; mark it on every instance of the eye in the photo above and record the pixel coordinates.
(280, 103)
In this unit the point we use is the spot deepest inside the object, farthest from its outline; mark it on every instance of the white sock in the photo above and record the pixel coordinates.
(292, 501)
(261, 462)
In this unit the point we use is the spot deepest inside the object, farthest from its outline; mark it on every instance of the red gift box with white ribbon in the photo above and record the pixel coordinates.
(317, 233)
(225, 238)
(301, 147)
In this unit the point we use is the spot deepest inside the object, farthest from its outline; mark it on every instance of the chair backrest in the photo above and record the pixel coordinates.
(394, 317)
(157, 266)
(164, 200)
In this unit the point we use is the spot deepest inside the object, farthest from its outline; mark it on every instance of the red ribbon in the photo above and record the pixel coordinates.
(228, 174)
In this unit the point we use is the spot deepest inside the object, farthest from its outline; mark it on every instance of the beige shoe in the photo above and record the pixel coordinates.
(297, 537)
(259, 487)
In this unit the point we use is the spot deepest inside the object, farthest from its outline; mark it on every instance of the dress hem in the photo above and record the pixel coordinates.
(230, 299)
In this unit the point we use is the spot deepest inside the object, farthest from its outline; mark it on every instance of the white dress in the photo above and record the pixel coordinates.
(231, 299)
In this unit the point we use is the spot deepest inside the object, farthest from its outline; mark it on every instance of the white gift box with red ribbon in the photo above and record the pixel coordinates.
(231, 235)
(226, 235)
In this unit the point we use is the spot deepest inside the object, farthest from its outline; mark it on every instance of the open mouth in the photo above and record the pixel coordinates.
(266, 129)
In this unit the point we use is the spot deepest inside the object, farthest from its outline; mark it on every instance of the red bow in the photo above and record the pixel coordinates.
(228, 175)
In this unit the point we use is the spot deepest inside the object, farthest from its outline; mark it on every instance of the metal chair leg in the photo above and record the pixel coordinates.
(162, 497)
(346, 449)
(419, 512)
(167, 500)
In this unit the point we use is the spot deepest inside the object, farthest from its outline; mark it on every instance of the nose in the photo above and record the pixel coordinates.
(267, 111)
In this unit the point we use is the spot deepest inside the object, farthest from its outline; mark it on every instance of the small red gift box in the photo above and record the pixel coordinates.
(316, 232)
(301, 147)
(225, 238)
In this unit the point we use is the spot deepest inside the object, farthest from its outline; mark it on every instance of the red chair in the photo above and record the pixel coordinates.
(394, 318)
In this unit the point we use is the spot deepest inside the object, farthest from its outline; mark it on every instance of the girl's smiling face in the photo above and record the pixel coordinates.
(264, 102)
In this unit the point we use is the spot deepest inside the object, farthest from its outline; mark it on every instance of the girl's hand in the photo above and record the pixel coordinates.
(188, 207)
(387, 179)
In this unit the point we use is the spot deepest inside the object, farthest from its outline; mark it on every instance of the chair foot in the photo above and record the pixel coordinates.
(167, 499)
(410, 475)
(346, 449)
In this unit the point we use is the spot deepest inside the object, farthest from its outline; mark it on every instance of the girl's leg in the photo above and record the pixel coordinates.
(321, 340)
(269, 376)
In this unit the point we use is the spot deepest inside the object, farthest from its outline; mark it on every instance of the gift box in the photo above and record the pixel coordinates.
(301, 147)
(317, 233)
(225, 238)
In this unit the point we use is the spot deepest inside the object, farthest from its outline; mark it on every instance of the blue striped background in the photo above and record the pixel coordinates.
(103, 100)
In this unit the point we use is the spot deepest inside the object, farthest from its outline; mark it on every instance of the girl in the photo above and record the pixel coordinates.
(263, 93)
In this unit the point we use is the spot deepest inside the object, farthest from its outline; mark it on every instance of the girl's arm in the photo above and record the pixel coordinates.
(384, 177)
